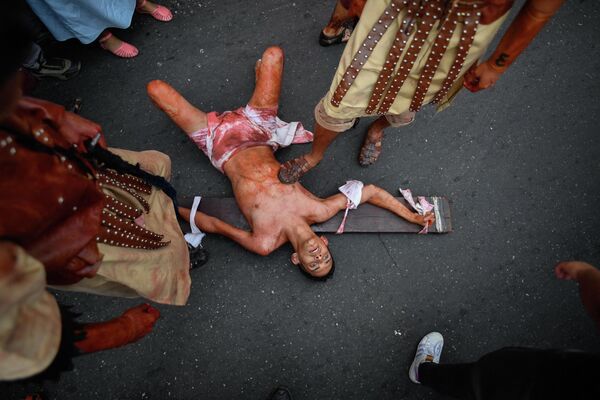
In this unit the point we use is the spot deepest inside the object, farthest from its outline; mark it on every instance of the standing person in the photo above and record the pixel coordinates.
(518, 373)
(406, 54)
(88, 20)
(37, 337)
(98, 224)
(51, 219)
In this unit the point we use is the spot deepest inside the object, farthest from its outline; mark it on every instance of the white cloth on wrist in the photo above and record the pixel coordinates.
(353, 192)
(195, 237)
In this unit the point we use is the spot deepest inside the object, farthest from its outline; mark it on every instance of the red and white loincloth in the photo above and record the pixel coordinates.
(232, 131)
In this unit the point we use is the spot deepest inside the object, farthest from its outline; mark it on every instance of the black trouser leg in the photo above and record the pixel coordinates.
(518, 374)
(449, 379)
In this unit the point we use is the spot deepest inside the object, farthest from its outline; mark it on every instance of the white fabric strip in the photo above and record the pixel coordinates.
(195, 237)
(353, 192)
(422, 207)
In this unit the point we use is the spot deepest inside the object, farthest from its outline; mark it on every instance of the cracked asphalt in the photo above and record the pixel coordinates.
(520, 164)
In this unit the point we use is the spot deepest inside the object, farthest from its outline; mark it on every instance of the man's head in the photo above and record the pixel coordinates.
(313, 258)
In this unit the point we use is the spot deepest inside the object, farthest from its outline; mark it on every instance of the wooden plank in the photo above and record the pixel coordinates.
(366, 218)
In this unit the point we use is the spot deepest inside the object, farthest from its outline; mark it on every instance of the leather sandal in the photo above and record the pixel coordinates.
(370, 150)
(291, 171)
(342, 37)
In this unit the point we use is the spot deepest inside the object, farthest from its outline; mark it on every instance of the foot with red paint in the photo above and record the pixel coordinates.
(189, 118)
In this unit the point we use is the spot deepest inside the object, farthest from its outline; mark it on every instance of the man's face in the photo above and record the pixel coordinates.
(313, 256)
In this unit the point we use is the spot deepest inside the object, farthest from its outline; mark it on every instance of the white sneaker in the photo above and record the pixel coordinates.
(428, 350)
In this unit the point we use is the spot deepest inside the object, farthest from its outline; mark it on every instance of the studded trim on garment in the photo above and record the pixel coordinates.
(421, 17)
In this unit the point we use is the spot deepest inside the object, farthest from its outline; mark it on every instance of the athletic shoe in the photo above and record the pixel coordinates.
(428, 350)
(57, 68)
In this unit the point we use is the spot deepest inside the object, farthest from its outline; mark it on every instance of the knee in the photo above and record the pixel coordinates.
(273, 54)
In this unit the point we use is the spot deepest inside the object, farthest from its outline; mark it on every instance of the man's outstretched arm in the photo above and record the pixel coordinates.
(378, 197)
(209, 224)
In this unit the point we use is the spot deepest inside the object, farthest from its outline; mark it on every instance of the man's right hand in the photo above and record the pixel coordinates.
(131, 326)
(425, 220)
(571, 270)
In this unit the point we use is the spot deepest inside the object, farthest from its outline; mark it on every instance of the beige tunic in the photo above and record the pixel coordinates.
(161, 275)
(355, 101)
(30, 325)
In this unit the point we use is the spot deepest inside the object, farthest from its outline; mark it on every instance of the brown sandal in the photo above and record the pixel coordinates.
(291, 171)
(370, 150)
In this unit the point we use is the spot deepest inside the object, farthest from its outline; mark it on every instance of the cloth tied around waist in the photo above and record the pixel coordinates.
(244, 127)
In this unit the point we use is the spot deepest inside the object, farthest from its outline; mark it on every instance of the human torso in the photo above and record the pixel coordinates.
(266, 203)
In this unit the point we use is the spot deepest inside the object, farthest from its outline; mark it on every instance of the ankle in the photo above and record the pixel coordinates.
(313, 159)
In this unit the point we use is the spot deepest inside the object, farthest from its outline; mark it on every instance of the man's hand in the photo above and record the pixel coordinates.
(77, 130)
(588, 278)
(481, 76)
(425, 220)
(131, 326)
(141, 320)
(571, 270)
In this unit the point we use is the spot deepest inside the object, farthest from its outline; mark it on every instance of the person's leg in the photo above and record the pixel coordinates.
(268, 73)
(189, 118)
(449, 379)
(517, 373)
(326, 130)
(373, 142)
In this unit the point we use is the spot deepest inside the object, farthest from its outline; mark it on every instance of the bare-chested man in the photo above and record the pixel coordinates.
(241, 144)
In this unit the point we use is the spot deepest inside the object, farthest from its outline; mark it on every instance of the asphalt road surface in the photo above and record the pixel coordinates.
(519, 162)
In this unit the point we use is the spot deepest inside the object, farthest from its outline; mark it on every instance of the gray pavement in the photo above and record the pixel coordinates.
(520, 163)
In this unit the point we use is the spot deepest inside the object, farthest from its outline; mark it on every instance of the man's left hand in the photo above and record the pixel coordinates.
(480, 77)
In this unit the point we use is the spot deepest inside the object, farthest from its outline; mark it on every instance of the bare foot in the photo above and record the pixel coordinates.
(257, 69)
(185, 115)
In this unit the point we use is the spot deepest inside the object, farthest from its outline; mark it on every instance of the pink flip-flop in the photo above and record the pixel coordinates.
(160, 13)
(125, 50)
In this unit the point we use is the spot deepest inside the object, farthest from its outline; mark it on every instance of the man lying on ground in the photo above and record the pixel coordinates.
(240, 143)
